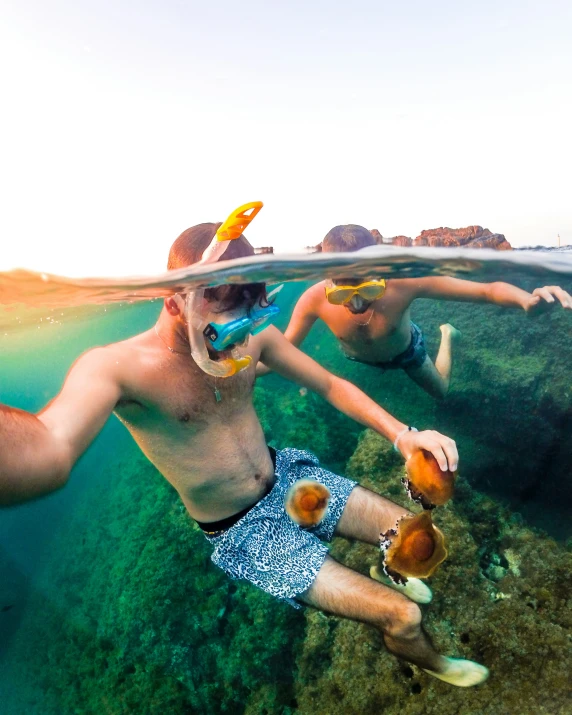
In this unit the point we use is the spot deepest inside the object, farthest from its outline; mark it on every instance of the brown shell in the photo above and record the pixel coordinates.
(306, 502)
(426, 482)
(417, 548)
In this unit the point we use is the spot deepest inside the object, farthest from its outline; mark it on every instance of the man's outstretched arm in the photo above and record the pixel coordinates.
(285, 359)
(303, 318)
(499, 293)
(37, 452)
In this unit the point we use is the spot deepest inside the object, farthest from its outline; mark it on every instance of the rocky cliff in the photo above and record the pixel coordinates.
(469, 237)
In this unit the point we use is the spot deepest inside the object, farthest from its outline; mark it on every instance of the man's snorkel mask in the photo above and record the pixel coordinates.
(237, 330)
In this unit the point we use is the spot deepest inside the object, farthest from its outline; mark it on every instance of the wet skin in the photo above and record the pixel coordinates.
(212, 452)
(374, 331)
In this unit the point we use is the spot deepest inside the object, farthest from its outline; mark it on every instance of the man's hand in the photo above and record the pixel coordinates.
(441, 447)
(544, 299)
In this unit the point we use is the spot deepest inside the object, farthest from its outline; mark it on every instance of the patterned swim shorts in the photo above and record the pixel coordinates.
(266, 548)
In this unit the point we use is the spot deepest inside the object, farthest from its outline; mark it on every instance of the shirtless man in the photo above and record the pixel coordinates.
(203, 435)
(376, 328)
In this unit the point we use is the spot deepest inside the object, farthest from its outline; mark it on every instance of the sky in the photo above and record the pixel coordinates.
(125, 122)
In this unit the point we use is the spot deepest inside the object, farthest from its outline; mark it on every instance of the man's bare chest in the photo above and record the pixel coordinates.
(186, 397)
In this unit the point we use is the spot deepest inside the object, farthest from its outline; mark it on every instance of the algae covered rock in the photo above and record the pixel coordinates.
(518, 626)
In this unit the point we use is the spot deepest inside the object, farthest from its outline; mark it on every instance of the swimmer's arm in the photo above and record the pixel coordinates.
(285, 359)
(37, 452)
(303, 318)
(498, 293)
(445, 288)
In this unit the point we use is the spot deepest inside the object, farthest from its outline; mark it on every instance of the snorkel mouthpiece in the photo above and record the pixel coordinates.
(230, 230)
(236, 364)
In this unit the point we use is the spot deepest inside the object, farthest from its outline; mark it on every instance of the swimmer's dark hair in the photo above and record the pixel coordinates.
(189, 248)
(342, 239)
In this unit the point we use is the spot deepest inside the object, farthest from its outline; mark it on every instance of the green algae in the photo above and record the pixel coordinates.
(518, 626)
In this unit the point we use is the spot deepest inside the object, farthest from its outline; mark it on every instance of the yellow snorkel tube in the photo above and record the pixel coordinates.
(230, 230)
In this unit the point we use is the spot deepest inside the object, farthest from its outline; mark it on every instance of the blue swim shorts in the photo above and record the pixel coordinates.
(266, 548)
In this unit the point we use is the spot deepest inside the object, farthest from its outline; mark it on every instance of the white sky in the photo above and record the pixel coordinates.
(125, 122)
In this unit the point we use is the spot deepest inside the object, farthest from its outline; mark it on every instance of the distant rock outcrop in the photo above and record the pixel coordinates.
(470, 237)
(393, 241)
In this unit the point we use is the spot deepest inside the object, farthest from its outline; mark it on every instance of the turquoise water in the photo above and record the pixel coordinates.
(109, 603)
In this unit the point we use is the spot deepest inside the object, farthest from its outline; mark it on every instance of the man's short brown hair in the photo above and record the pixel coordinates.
(351, 237)
(189, 247)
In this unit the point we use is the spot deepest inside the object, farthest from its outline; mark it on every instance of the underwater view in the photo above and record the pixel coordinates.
(110, 602)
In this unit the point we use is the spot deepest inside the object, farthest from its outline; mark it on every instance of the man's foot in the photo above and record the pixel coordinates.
(414, 589)
(448, 330)
(462, 673)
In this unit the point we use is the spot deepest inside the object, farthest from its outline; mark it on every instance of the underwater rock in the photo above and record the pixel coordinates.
(413, 549)
(306, 502)
(513, 560)
(469, 237)
(520, 631)
(426, 483)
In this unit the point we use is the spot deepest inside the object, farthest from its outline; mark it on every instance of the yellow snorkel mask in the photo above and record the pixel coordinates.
(230, 230)
(342, 294)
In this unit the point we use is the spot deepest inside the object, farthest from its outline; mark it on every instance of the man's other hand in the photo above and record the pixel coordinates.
(545, 298)
(441, 447)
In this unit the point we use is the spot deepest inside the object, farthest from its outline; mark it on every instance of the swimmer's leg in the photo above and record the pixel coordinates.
(414, 589)
(343, 592)
(435, 377)
(365, 516)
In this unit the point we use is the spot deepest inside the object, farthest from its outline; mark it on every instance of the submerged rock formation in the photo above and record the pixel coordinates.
(470, 237)
(516, 621)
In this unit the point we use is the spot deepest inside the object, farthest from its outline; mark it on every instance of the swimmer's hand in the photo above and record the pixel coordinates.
(441, 447)
(544, 299)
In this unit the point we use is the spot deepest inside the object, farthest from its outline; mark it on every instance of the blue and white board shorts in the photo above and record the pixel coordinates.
(266, 548)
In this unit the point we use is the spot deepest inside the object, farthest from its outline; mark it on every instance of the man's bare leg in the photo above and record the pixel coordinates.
(365, 516)
(435, 378)
(343, 592)
(444, 359)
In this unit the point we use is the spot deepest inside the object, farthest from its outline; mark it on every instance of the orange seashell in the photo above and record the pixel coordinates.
(413, 549)
(425, 482)
(306, 502)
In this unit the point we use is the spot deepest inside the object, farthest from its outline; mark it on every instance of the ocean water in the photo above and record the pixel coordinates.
(109, 602)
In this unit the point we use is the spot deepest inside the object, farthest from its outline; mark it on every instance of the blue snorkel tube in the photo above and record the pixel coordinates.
(222, 335)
